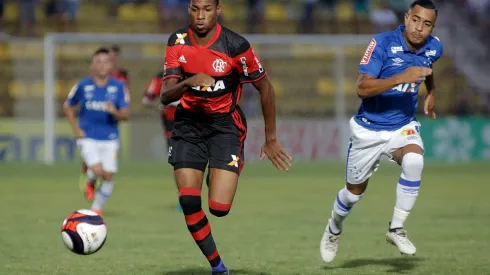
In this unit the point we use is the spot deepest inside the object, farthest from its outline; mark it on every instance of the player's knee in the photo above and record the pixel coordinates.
(97, 171)
(219, 209)
(190, 200)
(107, 176)
(412, 166)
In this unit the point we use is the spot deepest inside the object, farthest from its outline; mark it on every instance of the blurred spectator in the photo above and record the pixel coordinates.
(68, 10)
(400, 7)
(384, 18)
(307, 24)
(255, 16)
(479, 10)
(27, 10)
(2, 7)
(172, 10)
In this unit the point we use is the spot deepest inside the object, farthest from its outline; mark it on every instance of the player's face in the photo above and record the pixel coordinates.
(101, 64)
(203, 15)
(419, 23)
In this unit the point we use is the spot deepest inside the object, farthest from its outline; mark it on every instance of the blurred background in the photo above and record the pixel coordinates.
(314, 70)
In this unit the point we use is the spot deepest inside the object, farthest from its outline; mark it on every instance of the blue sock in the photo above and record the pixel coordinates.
(220, 267)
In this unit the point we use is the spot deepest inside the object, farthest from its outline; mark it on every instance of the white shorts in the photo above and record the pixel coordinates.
(104, 152)
(366, 148)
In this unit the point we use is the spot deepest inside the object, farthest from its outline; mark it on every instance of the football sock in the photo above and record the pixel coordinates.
(219, 209)
(102, 194)
(197, 224)
(91, 176)
(341, 208)
(407, 188)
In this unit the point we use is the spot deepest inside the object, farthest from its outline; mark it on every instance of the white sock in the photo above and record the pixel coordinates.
(341, 208)
(102, 194)
(407, 188)
(91, 176)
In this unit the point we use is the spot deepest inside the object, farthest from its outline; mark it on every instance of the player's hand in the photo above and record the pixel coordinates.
(429, 104)
(111, 108)
(79, 133)
(415, 74)
(274, 151)
(201, 80)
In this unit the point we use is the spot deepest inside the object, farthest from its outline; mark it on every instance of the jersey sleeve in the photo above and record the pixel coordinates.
(123, 98)
(74, 96)
(373, 59)
(172, 65)
(439, 49)
(248, 64)
(152, 91)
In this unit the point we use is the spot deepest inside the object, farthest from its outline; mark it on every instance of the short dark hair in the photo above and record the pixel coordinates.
(115, 48)
(101, 50)
(217, 2)
(426, 4)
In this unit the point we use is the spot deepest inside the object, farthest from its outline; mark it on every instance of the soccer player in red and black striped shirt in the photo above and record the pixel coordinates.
(205, 67)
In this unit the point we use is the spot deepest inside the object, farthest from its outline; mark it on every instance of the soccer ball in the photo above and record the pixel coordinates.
(84, 232)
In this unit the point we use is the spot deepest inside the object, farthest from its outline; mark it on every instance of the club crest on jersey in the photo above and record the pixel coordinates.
(181, 38)
(219, 65)
(219, 85)
(369, 52)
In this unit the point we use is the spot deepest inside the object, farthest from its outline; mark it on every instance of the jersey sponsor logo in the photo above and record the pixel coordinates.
(181, 38)
(88, 88)
(219, 65)
(406, 87)
(261, 69)
(234, 161)
(112, 89)
(396, 49)
(96, 106)
(430, 53)
(219, 85)
(369, 52)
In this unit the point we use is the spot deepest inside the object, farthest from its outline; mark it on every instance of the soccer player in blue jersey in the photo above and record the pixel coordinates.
(103, 103)
(390, 73)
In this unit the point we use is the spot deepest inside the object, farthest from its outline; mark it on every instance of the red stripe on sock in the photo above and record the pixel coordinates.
(189, 191)
(201, 234)
(194, 218)
(219, 206)
(213, 256)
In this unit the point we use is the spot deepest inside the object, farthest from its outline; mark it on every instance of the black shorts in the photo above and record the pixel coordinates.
(198, 140)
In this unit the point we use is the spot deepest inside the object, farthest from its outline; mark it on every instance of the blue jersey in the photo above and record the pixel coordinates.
(388, 55)
(94, 119)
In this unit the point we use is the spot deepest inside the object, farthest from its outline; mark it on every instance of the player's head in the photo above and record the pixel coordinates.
(114, 52)
(101, 63)
(420, 20)
(203, 15)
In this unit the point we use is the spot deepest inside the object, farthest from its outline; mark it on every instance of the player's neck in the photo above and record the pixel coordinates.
(410, 46)
(101, 81)
(204, 40)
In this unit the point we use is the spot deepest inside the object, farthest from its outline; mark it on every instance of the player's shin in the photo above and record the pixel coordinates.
(342, 206)
(103, 194)
(407, 189)
(198, 225)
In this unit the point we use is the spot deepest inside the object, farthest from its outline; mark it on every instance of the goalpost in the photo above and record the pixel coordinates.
(283, 47)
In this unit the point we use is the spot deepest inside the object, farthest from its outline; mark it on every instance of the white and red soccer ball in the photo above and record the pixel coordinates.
(84, 232)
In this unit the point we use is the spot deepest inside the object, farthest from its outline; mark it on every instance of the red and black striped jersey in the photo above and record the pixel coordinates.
(152, 91)
(228, 58)
(121, 75)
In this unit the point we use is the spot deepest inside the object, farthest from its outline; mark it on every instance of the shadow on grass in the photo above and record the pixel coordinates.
(202, 271)
(394, 265)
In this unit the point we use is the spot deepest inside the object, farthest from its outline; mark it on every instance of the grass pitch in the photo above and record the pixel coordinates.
(274, 227)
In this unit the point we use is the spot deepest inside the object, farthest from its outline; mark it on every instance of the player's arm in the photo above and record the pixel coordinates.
(68, 107)
(120, 111)
(172, 89)
(430, 103)
(152, 91)
(250, 69)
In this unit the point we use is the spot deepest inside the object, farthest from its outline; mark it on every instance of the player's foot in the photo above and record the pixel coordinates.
(329, 244)
(220, 270)
(98, 211)
(90, 191)
(398, 238)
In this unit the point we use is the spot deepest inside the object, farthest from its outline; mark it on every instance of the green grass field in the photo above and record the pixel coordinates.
(274, 227)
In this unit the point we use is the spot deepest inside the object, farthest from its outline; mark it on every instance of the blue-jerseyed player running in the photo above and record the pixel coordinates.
(390, 73)
(103, 103)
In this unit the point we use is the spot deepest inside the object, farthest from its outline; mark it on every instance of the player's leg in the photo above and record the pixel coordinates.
(189, 158)
(109, 159)
(409, 156)
(362, 161)
(168, 125)
(90, 159)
